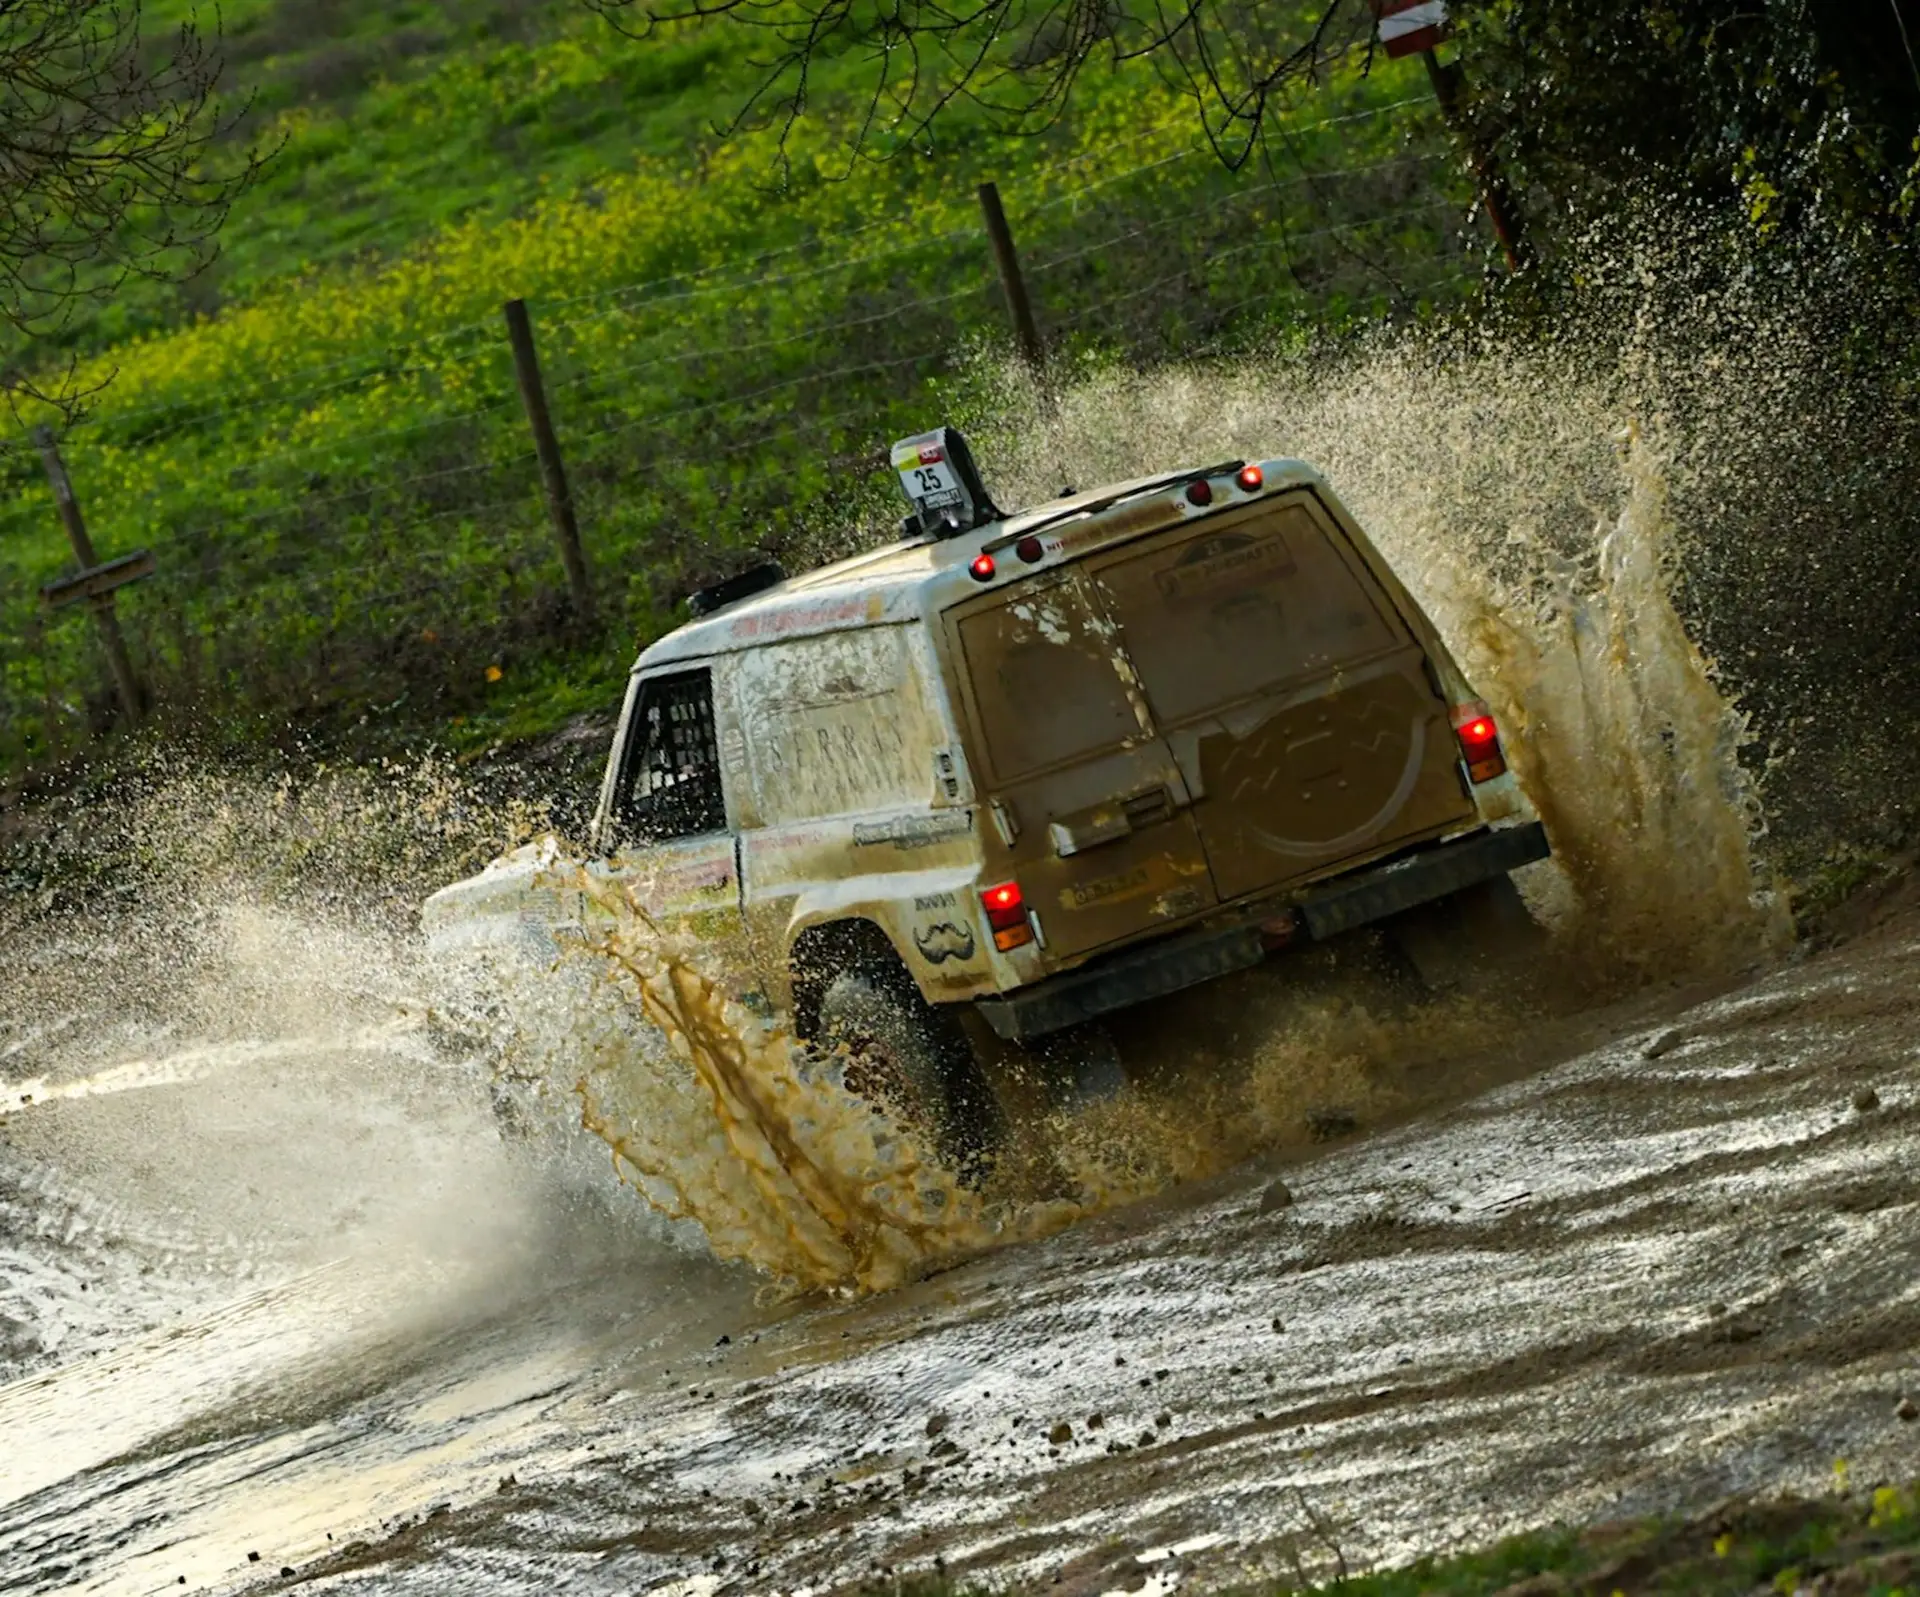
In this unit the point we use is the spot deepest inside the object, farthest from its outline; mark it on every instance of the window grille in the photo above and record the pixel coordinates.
(670, 778)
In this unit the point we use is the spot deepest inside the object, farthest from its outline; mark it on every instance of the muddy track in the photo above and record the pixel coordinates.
(1675, 1260)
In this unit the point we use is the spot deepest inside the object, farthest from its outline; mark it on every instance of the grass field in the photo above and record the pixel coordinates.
(321, 439)
(1856, 1543)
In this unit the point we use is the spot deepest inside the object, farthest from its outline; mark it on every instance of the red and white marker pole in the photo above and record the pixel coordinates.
(1417, 27)
(1408, 27)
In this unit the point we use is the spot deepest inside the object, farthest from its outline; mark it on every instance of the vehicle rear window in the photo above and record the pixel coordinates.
(1229, 611)
(1045, 681)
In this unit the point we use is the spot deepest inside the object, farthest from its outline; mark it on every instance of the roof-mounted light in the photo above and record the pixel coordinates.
(1251, 478)
(982, 568)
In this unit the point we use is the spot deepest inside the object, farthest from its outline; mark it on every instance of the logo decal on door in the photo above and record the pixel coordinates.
(943, 941)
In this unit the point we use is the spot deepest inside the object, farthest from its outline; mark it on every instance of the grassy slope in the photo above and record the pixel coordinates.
(1863, 1544)
(1854, 1544)
(322, 441)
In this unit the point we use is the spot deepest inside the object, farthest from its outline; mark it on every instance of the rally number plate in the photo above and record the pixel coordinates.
(932, 484)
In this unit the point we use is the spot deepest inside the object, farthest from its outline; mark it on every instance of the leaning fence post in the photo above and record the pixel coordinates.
(553, 472)
(1495, 197)
(94, 583)
(1008, 260)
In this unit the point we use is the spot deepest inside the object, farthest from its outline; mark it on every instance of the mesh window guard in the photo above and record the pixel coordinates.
(670, 780)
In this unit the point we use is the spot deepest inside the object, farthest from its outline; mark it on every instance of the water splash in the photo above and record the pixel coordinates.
(730, 1123)
(1529, 507)
(222, 1057)
(1630, 752)
(719, 1119)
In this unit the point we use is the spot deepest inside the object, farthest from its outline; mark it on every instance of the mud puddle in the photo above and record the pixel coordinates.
(1680, 1262)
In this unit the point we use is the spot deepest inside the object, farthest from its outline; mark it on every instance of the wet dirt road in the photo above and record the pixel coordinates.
(1674, 1260)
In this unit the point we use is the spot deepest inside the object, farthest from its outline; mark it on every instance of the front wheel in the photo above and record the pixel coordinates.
(912, 1060)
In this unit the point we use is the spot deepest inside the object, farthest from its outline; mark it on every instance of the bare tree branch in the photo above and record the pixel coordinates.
(109, 170)
(1015, 60)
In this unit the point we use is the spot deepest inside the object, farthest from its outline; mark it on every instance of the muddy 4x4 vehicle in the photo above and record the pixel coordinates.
(1044, 766)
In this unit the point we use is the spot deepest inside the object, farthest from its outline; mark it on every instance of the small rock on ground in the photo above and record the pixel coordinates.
(1866, 1100)
(1277, 1196)
(1663, 1042)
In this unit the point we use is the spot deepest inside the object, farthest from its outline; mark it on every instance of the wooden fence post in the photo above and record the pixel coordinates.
(1008, 260)
(95, 583)
(553, 472)
(1495, 197)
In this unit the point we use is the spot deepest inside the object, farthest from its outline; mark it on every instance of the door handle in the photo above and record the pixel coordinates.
(1109, 822)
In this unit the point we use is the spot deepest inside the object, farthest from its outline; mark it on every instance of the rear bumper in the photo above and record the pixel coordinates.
(1155, 969)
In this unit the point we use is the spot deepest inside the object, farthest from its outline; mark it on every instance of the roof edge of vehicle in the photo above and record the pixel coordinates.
(884, 584)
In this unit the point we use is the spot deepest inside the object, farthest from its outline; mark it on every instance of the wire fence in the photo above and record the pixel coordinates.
(375, 530)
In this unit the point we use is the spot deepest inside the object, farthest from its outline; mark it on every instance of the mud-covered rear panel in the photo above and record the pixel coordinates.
(1199, 714)
(1086, 806)
(1297, 700)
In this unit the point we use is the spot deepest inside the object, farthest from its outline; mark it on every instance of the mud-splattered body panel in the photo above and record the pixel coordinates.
(1143, 709)
(1298, 701)
(1200, 712)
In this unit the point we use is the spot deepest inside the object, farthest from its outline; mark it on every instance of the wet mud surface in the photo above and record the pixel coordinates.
(1655, 1255)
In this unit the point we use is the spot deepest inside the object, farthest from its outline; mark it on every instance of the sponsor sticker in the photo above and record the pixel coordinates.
(944, 940)
(1232, 559)
(913, 831)
(928, 476)
(1105, 889)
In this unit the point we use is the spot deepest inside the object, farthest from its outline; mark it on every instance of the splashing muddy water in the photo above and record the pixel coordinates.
(762, 1142)
(1618, 731)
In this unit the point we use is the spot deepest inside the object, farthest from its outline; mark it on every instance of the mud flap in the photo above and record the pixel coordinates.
(1083, 1066)
(1480, 933)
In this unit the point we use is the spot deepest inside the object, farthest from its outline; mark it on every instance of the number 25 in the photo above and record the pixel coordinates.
(929, 480)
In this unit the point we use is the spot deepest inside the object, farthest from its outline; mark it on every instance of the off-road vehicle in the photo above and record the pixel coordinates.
(1041, 766)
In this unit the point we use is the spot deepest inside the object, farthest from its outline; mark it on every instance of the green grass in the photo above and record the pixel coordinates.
(322, 443)
(1863, 1544)
(1867, 1544)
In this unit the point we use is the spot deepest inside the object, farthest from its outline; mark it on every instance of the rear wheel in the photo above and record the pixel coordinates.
(911, 1059)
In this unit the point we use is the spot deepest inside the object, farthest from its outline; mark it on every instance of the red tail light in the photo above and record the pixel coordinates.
(1479, 739)
(1251, 479)
(1007, 915)
(982, 568)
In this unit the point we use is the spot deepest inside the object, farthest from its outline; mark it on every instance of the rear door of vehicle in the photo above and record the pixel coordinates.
(1085, 803)
(1296, 701)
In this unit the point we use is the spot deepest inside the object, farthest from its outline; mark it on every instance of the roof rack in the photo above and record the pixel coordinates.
(1171, 479)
